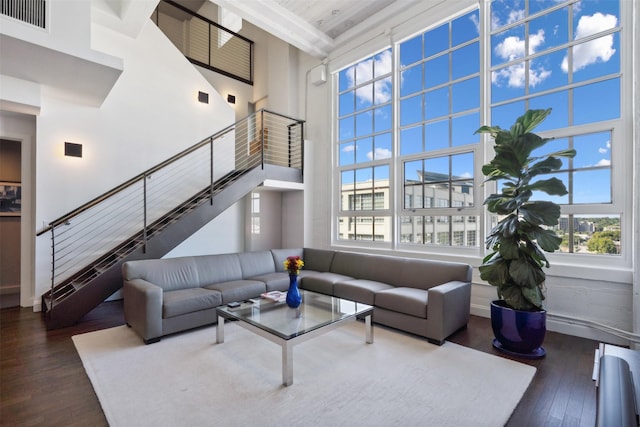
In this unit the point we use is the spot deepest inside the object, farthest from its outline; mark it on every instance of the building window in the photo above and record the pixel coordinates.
(446, 179)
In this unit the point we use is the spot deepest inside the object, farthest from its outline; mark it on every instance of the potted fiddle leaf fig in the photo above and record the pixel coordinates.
(519, 240)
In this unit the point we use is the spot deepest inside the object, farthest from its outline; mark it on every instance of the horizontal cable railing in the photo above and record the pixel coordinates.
(96, 235)
(204, 42)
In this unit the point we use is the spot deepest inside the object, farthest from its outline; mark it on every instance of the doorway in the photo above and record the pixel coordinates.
(10, 222)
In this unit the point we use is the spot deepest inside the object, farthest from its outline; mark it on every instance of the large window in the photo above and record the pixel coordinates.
(439, 111)
(566, 56)
(407, 155)
(365, 149)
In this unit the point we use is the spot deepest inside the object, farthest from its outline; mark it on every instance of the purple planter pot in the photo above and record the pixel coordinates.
(518, 333)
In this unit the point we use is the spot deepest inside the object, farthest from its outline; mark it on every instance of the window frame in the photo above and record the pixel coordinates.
(621, 158)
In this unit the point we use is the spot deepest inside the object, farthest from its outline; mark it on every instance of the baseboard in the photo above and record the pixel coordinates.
(576, 327)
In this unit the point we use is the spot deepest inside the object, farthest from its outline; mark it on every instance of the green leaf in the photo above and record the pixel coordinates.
(534, 296)
(547, 165)
(531, 141)
(509, 249)
(492, 172)
(547, 240)
(570, 153)
(494, 270)
(551, 186)
(514, 297)
(507, 161)
(499, 204)
(540, 212)
(532, 118)
(517, 129)
(525, 274)
(488, 129)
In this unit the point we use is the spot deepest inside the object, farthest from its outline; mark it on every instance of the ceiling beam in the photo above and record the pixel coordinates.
(275, 19)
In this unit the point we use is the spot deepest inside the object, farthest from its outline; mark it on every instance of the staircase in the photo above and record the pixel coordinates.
(149, 215)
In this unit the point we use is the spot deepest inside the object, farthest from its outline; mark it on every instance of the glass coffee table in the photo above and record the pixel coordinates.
(287, 326)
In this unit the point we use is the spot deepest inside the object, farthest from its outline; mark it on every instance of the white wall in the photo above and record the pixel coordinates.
(222, 235)
(151, 114)
(268, 213)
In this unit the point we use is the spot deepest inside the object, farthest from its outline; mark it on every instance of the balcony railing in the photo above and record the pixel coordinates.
(206, 43)
(30, 11)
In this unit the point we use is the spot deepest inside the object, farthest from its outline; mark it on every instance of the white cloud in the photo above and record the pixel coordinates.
(349, 148)
(363, 71)
(512, 47)
(380, 153)
(598, 50)
(514, 15)
(514, 76)
(604, 162)
(606, 148)
(476, 22)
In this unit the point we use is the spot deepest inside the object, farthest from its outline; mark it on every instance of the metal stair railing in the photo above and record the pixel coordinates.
(96, 235)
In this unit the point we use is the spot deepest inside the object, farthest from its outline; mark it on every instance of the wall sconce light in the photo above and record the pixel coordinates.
(72, 150)
(203, 97)
(231, 99)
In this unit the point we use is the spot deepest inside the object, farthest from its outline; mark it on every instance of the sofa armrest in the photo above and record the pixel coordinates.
(448, 308)
(143, 308)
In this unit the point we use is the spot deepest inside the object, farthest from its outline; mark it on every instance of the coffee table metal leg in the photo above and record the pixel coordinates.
(287, 363)
(368, 330)
(220, 330)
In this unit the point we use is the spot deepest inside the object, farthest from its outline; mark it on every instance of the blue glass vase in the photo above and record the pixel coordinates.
(294, 298)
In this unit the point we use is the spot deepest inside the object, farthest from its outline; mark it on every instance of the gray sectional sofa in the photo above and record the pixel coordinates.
(423, 297)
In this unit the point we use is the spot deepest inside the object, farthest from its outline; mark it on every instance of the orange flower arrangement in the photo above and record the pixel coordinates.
(293, 264)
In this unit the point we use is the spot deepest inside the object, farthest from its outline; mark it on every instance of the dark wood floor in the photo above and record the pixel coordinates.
(42, 381)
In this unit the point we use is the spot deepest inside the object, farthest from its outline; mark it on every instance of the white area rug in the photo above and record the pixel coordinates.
(338, 380)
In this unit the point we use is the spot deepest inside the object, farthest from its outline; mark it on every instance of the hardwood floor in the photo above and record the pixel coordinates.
(42, 381)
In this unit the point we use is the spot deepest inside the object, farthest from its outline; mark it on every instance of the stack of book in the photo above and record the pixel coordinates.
(276, 296)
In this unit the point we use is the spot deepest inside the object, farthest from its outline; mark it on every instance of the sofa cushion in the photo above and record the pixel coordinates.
(274, 281)
(280, 255)
(182, 301)
(352, 264)
(425, 274)
(169, 273)
(359, 290)
(238, 290)
(321, 282)
(317, 259)
(404, 300)
(217, 268)
(256, 263)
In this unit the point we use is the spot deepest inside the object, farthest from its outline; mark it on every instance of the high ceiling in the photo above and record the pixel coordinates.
(313, 26)
(334, 17)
